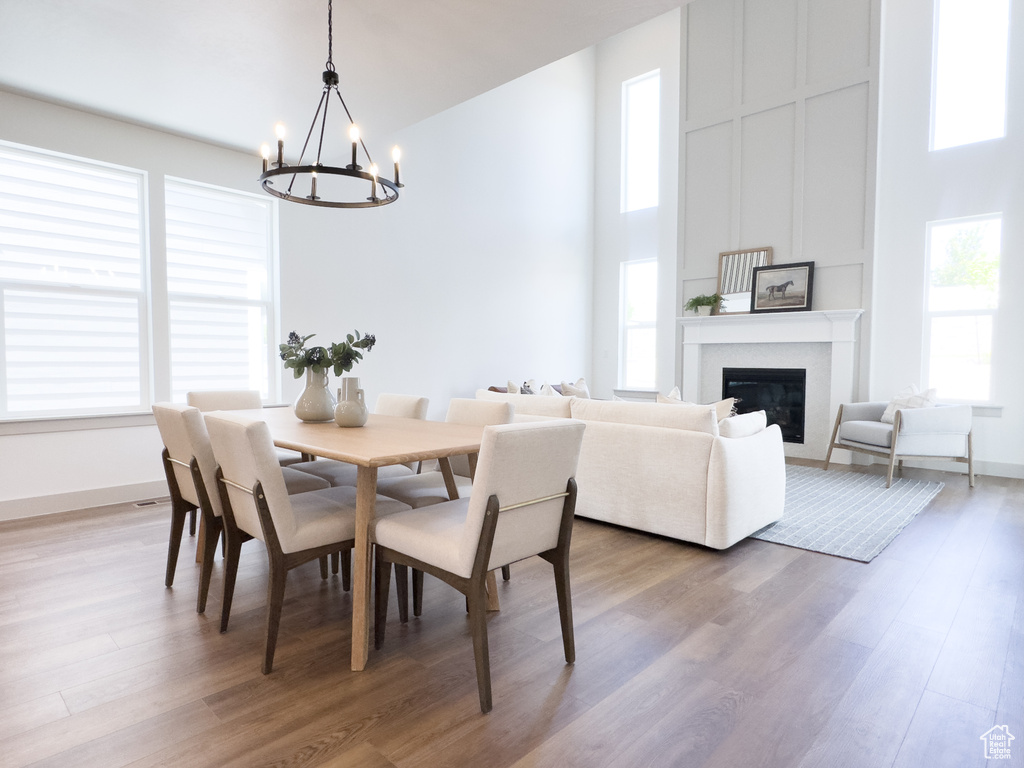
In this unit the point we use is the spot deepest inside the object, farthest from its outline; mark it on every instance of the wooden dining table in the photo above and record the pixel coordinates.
(383, 441)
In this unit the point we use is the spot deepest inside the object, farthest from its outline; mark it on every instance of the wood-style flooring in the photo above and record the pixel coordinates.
(761, 655)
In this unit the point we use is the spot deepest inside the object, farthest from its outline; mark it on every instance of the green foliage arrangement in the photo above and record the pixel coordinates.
(339, 357)
(703, 301)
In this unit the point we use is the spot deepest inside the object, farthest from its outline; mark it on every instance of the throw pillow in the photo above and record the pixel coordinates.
(579, 389)
(548, 391)
(909, 397)
(528, 388)
(512, 388)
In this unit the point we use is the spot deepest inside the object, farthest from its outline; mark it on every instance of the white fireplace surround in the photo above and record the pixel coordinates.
(824, 343)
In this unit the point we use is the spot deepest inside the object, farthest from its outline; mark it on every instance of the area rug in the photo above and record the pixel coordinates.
(847, 514)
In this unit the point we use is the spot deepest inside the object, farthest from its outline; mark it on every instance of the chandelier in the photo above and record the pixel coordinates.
(289, 182)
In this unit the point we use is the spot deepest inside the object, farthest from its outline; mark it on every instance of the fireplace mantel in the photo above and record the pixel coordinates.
(837, 328)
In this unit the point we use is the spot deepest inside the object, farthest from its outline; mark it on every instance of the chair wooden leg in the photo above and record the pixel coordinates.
(231, 556)
(346, 569)
(970, 460)
(402, 592)
(506, 573)
(564, 594)
(835, 432)
(192, 523)
(211, 530)
(335, 562)
(178, 513)
(382, 588)
(417, 592)
(892, 448)
(275, 602)
(323, 567)
(478, 626)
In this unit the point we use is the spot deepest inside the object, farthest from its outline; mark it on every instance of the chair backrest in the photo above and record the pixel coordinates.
(405, 406)
(225, 399)
(521, 463)
(478, 413)
(183, 432)
(245, 450)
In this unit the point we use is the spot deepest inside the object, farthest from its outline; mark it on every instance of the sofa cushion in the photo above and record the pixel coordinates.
(743, 425)
(867, 432)
(531, 405)
(696, 418)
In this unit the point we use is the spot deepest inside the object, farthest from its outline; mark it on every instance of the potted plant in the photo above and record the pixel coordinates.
(703, 304)
(315, 402)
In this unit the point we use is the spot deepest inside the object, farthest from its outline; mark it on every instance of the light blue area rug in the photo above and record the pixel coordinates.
(847, 514)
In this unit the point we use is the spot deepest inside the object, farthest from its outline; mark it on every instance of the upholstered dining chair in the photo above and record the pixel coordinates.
(940, 431)
(237, 400)
(429, 487)
(295, 529)
(521, 504)
(191, 469)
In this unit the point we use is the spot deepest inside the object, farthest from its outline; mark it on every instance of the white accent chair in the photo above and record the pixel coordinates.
(521, 505)
(191, 471)
(295, 529)
(237, 400)
(941, 431)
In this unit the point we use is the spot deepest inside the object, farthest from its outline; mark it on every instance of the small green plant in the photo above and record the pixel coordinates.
(703, 301)
(340, 357)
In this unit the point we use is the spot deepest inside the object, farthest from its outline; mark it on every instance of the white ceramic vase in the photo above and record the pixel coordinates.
(351, 408)
(315, 403)
(704, 311)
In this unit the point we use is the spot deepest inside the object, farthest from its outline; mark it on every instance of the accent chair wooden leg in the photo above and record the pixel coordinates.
(335, 562)
(275, 602)
(402, 592)
(346, 569)
(564, 594)
(192, 523)
(323, 567)
(382, 588)
(211, 529)
(835, 432)
(970, 460)
(506, 573)
(892, 448)
(178, 513)
(234, 550)
(477, 599)
(417, 592)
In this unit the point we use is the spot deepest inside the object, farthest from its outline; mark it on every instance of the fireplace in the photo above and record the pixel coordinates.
(780, 392)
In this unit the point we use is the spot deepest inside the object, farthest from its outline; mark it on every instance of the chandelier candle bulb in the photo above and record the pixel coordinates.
(279, 130)
(265, 153)
(373, 182)
(396, 155)
(312, 194)
(353, 134)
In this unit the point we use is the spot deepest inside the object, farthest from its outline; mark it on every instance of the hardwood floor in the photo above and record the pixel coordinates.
(761, 655)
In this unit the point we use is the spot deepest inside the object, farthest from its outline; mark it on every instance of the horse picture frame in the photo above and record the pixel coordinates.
(782, 288)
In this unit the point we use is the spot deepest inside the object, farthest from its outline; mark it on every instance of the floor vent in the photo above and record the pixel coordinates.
(150, 503)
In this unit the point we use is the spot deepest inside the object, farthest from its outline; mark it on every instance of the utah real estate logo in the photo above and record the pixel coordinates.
(997, 742)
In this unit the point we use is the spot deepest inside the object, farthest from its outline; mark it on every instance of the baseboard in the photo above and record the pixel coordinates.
(16, 509)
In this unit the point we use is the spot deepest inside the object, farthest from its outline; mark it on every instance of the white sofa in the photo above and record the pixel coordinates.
(673, 470)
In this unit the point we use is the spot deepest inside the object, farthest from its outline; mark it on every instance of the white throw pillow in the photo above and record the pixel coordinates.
(908, 397)
(512, 388)
(579, 389)
(548, 391)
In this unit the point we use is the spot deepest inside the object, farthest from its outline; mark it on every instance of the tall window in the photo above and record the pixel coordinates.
(638, 310)
(641, 117)
(963, 296)
(73, 277)
(969, 74)
(220, 247)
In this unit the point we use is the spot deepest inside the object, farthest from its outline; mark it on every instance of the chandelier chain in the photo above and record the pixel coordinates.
(330, 36)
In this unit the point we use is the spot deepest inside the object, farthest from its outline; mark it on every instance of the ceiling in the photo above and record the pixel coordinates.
(225, 71)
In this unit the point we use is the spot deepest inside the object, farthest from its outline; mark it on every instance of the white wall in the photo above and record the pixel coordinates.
(644, 234)
(480, 273)
(917, 186)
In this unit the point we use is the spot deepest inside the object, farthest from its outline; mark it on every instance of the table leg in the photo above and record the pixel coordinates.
(366, 496)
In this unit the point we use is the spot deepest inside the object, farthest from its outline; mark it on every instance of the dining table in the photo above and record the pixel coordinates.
(382, 441)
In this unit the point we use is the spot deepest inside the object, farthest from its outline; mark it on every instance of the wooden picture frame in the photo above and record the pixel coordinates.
(782, 288)
(735, 275)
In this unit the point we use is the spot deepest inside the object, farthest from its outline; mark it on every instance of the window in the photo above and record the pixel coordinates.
(969, 73)
(220, 248)
(638, 309)
(963, 296)
(73, 276)
(641, 116)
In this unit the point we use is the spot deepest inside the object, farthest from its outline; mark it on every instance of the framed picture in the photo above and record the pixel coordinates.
(782, 288)
(734, 278)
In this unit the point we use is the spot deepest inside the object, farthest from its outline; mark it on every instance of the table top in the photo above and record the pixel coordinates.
(382, 441)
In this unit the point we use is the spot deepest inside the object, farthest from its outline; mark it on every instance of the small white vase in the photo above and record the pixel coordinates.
(704, 311)
(315, 403)
(351, 408)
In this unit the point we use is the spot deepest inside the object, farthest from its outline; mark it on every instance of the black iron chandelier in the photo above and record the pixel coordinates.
(335, 190)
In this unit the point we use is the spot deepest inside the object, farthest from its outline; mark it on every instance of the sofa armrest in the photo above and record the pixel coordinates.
(863, 411)
(942, 419)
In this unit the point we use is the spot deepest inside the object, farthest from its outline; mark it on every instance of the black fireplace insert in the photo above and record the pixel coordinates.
(780, 392)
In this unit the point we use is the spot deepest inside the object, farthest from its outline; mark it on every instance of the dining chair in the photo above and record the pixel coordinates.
(295, 529)
(190, 468)
(236, 400)
(429, 487)
(521, 504)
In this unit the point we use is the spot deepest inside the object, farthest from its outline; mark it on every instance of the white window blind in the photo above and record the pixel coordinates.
(641, 118)
(638, 324)
(72, 285)
(220, 252)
